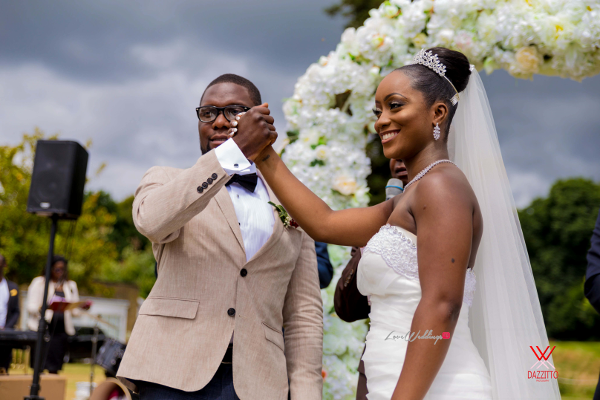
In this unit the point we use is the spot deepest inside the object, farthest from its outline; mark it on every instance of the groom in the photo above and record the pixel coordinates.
(231, 277)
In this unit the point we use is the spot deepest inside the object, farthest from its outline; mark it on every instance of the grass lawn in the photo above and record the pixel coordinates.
(577, 363)
(578, 366)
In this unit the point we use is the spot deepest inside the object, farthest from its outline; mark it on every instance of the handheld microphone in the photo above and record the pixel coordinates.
(394, 187)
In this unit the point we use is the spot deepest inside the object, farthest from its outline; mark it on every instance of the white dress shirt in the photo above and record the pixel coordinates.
(4, 296)
(253, 211)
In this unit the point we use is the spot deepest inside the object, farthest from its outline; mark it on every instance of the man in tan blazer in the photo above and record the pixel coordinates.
(236, 310)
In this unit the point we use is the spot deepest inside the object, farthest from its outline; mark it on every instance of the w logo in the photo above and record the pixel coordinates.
(542, 357)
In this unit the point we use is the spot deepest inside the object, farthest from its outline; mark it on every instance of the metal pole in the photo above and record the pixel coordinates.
(35, 385)
(94, 350)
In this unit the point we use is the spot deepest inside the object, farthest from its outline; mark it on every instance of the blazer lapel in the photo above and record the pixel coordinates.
(277, 225)
(224, 202)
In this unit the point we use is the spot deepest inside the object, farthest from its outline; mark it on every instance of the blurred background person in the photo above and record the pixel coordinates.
(60, 324)
(350, 305)
(9, 312)
(324, 264)
(592, 278)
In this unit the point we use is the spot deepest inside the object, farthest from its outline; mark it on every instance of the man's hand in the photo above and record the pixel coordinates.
(255, 131)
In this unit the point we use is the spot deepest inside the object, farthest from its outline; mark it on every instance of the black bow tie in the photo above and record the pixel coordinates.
(248, 181)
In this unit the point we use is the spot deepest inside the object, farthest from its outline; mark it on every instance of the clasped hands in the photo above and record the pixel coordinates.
(255, 131)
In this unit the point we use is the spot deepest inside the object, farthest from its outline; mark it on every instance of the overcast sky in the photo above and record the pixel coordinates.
(128, 75)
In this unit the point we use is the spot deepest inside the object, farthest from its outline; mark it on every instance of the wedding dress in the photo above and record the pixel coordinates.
(388, 273)
(490, 351)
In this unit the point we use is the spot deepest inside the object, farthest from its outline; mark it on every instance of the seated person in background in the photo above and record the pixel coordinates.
(9, 313)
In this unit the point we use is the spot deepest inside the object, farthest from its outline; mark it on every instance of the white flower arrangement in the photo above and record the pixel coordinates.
(329, 116)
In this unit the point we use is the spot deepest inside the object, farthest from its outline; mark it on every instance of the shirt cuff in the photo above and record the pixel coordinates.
(233, 160)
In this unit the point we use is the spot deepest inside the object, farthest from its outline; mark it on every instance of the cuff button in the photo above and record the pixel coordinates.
(210, 181)
(205, 185)
(200, 189)
(214, 176)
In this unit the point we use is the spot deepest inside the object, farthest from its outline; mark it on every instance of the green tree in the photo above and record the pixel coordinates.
(136, 267)
(24, 237)
(103, 237)
(557, 232)
(355, 11)
(124, 233)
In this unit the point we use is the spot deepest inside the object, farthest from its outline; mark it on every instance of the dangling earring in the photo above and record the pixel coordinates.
(436, 132)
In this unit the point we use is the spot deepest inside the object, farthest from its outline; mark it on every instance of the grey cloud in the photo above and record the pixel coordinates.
(92, 41)
(547, 128)
(129, 74)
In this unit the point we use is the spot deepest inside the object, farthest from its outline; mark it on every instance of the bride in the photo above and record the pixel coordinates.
(454, 307)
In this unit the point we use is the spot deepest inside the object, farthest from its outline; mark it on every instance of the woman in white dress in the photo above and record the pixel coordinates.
(436, 331)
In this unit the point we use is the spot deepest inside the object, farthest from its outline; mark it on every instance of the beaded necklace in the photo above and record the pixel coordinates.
(424, 171)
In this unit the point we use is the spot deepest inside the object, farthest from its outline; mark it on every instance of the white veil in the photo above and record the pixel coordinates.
(506, 317)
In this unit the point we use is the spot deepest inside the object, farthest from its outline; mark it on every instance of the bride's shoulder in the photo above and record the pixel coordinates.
(446, 186)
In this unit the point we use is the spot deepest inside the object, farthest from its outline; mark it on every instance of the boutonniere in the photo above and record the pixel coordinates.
(284, 216)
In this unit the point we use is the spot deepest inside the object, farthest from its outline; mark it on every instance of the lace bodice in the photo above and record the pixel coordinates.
(399, 252)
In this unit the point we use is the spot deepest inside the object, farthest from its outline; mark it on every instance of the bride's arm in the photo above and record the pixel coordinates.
(352, 227)
(443, 210)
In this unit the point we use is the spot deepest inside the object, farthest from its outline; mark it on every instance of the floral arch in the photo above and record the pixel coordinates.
(329, 116)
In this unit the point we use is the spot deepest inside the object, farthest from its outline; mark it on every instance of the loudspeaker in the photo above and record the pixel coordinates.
(58, 179)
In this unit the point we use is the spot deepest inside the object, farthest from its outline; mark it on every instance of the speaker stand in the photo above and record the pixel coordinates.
(37, 366)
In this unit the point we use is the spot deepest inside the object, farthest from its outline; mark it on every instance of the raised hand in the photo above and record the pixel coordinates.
(255, 131)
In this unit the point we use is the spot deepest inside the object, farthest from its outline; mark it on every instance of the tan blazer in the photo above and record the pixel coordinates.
(35, 294)
(184, 326)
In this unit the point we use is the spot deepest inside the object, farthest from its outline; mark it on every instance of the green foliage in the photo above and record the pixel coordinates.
(136, 267)
(355, 11)
(103, 235)
(557, 231)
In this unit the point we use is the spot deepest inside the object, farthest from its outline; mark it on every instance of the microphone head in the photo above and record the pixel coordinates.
(394, 187)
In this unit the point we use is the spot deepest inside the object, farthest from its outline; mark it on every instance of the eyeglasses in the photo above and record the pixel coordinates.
(210, 113)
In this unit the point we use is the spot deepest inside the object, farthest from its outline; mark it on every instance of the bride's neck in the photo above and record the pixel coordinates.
(423, 159)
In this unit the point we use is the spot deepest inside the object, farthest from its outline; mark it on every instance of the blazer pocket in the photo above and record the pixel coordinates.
(274, 336)
(175, 308)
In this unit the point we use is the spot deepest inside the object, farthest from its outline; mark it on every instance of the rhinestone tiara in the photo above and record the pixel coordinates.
(431, 61)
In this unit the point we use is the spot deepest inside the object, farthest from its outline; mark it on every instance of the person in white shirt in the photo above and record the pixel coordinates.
(9, 312)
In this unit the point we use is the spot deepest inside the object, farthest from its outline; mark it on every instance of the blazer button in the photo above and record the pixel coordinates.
(210, 181)
(231, 312)
(205, 185)
(214, 176)
(200, 189)
(244, 272)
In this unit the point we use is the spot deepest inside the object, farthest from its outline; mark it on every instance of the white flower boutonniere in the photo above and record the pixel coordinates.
(284, 216)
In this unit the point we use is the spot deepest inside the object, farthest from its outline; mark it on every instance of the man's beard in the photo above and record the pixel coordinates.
(204, 150)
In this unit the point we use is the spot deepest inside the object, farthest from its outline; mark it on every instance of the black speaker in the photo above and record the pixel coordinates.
(58, 179)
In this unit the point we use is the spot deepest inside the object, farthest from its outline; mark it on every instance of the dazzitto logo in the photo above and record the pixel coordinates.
(542, 361)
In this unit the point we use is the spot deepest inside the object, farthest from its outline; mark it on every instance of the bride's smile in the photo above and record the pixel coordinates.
(388, 135)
